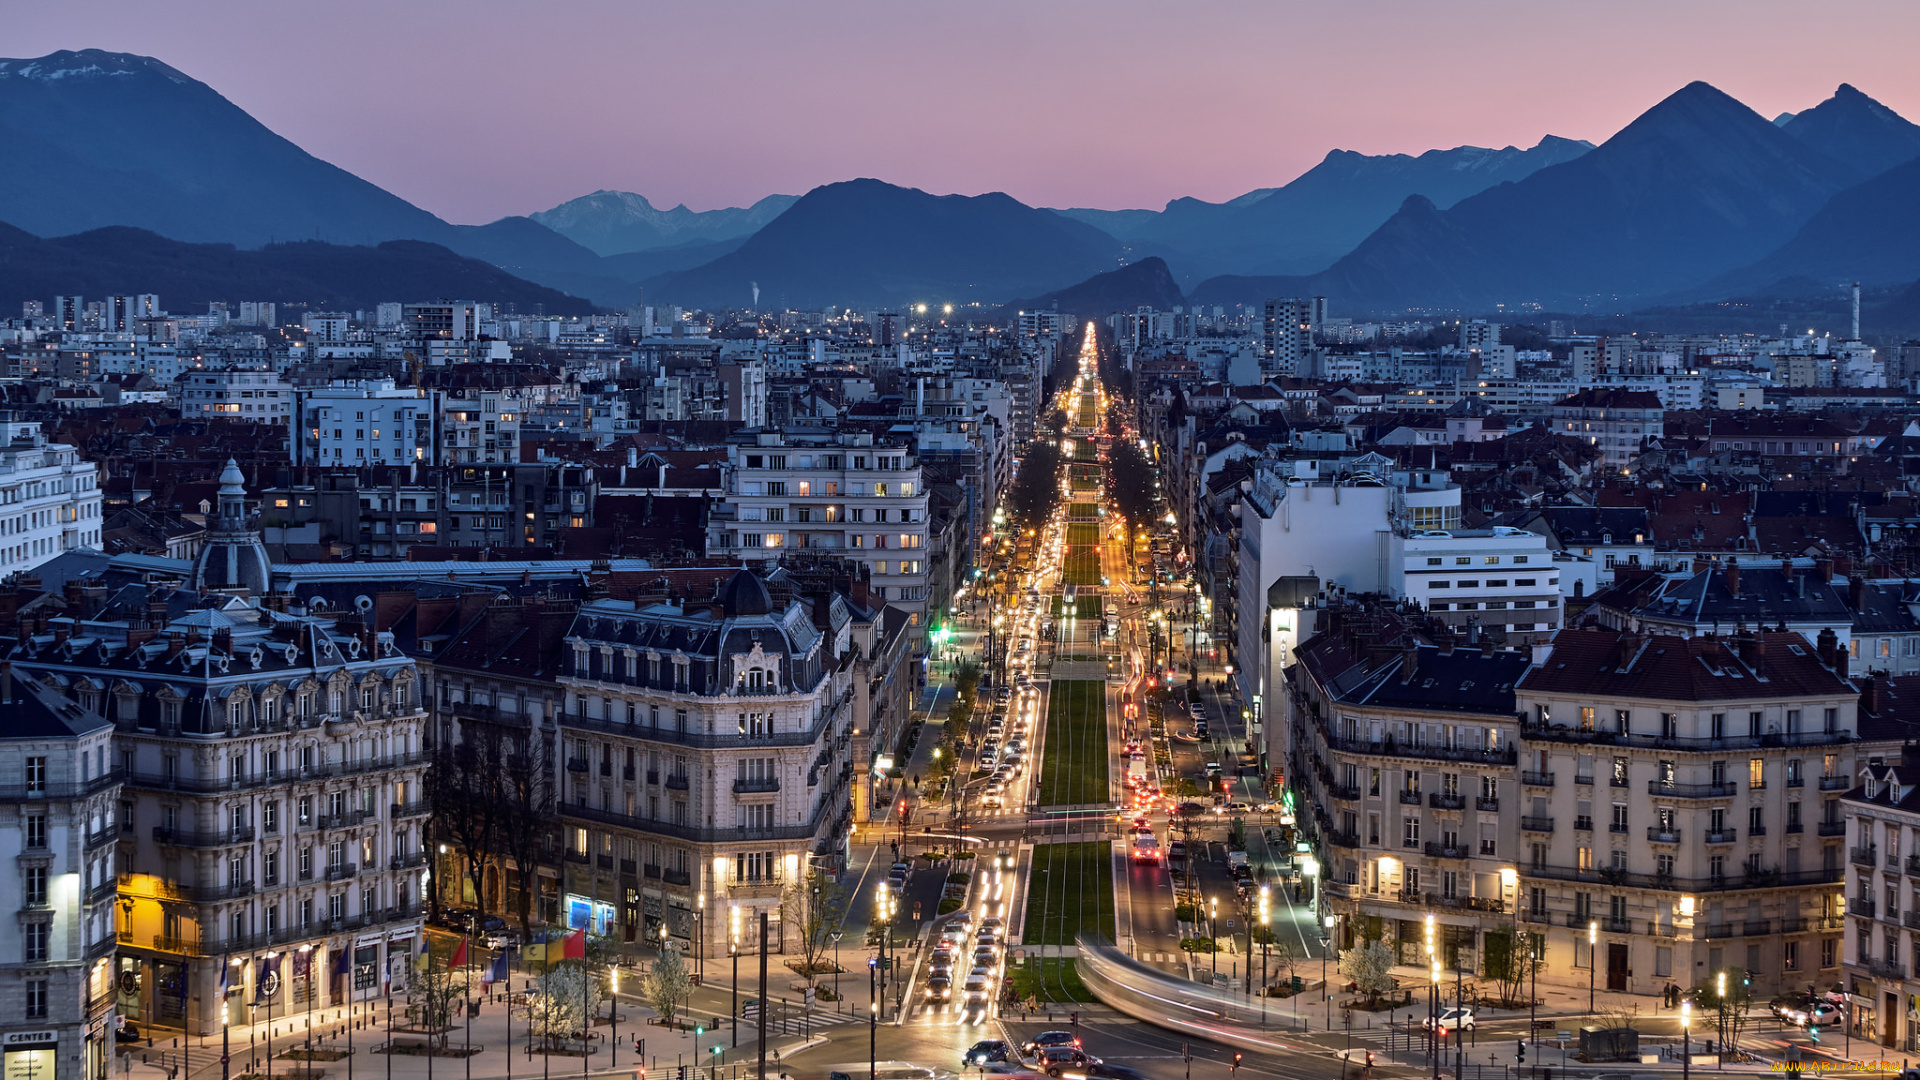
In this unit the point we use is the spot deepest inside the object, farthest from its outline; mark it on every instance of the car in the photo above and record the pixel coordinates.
(978, 985)
(1049, 1038)
(1055, 1060)
(961, 920)
(1801, 1011)
(126, 1032)
(940, 965)
(1198, 712)
(939, 987)
(1459, 1017)
(987, 1051)
(985, 954)
(1232, 808)
(503, 939)
(993, 923)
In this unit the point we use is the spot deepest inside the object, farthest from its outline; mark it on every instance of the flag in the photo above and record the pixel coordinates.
(535, 952)
(459, 955)
(575, 947)
(425, 956)
(496, 971)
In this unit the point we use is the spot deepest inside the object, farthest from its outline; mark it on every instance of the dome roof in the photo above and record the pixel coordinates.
(745, 594)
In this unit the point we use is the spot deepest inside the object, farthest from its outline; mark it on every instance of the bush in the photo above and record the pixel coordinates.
(1197, 944)
(1183, 912)
(959, 877)
(950, 905)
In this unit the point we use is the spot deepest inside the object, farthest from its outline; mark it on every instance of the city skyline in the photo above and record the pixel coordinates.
(755, 100)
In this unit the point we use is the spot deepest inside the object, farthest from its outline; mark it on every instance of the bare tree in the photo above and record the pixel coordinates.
(1370, 966)
(526, 807)
(565, 1002)
(466, 805)
(816, 905)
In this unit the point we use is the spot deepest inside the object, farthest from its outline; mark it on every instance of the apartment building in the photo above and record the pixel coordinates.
(1501, 578)
(57, 975)
(1407, 742)
(49, 497)
(708, 755)
(1881, 951)
(1681, 807)
(365, 422)
(844, 493)
(1619, 422)
(256, 396)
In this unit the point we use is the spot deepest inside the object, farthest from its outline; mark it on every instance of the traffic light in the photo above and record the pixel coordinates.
(716, 1049)
(1236, 1063)
(1813, 1032)
(699, 1030)
(1522, 1051)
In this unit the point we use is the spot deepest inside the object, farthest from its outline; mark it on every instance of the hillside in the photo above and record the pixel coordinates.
(864, 243)
(618, 222)
(318, 275)
(1147, 283)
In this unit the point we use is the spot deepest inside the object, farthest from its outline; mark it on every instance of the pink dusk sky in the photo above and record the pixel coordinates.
(476, 109)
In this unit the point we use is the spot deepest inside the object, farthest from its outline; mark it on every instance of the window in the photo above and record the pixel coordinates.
(1756, 773)
(1411, 834)
(36, 775)
(36, 830)
(34, 887)
(33, 942)
(36, 999)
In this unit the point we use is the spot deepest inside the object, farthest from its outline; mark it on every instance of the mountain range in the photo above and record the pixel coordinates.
(1697, 198)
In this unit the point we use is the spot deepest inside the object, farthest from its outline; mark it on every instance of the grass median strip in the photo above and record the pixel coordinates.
(1073, 771)
(1070, 892)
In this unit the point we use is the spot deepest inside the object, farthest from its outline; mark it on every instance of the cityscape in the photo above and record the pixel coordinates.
(898, 628)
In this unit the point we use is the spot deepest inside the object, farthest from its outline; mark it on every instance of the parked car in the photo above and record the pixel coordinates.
(503, 939)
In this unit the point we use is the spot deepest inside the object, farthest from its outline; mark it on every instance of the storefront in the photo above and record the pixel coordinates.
(593, 916)
(31, 1055)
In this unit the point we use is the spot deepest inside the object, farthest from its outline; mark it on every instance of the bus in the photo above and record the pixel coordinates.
(1071, 595)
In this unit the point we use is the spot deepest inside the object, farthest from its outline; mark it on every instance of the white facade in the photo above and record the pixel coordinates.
(49, 498)
(1504, 578)
(365, 422)
(255, 396)
(841, 492)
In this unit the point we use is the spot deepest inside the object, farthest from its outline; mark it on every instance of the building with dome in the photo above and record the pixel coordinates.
(708, 751)
(234, 559)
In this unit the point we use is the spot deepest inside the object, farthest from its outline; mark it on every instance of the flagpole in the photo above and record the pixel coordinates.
(429, 1008)
(586, 1014)
(466, 985)
(508, 957)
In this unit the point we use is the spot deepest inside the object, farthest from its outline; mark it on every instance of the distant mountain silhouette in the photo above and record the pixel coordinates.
(118, 139)
(120, 259)
(1868, 233)
(617, 222)
(865, 243)
(1321, 215)
(1147, 283)
(1694, 186)
(1858, 132)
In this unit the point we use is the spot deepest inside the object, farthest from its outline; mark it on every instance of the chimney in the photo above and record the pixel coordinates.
(6, 682)
(62, 632)
(1828, 646)
(223, 640)
(1825, 567)
(1870, 696)
(1857, 592)
(1758, 662)
(1409, 658)
(1444, 639)
(1733, 577)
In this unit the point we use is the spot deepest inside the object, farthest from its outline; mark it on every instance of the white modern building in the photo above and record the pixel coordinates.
(365, 422)
(254, 395)
(49, 497)
(843, 492)
(1500, 578)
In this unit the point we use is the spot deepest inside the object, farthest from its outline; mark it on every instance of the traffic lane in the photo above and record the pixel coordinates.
(1161, 1054)
(1150, 896)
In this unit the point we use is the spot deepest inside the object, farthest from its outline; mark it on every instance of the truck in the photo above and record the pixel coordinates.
(1136, 771)
(1237, 864)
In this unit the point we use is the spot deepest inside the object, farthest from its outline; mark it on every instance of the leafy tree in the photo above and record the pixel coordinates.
(666, 982)
(564, 1001)
(816, 905)
(1733, 1009)
(1369, 965)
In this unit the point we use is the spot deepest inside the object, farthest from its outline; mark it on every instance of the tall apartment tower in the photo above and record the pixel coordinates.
(1290, 325)
(69, 311)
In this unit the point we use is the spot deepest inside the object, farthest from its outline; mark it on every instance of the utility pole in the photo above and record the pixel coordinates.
(766, 1011)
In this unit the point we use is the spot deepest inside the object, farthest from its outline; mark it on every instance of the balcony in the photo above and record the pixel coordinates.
(1836, 783)
(1862, 907)
(603, 860)
(1537, 779)
(606, 768)
(1658, 835)
(1505, 755)
(1832, 828)
(756, 785)
(1913, 865)
(162, 943)
(1563, 733)
(676, 877)
(1619, 782)
(1692, 791)
(202, 838)
(1342, 839)
(101, 837)
(677, 782)
(1585, 779)
(344, 821)
(653, 776)
(1756, 830)
(577, 764)
(1484, 803)
(1795, 828)
(1911, 919)
(1882, 968)
(1722, 836)
(1864, 856)
(1758, 879)
(1582, 823)
(1792, 924)
(416, 808)
(1446, 802)
(1343, 794)
(626, 772)
(1409, 798)
(1446, 851)
(1530, 823)
(628, 867)
(41, 792)
(341, 871)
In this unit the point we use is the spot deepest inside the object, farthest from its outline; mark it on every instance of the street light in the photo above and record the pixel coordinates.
(1593, 960)
(1213, 934)
(1686, 1041)
(733, 950)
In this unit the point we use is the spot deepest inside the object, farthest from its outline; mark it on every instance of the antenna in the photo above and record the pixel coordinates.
(1856, 312)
